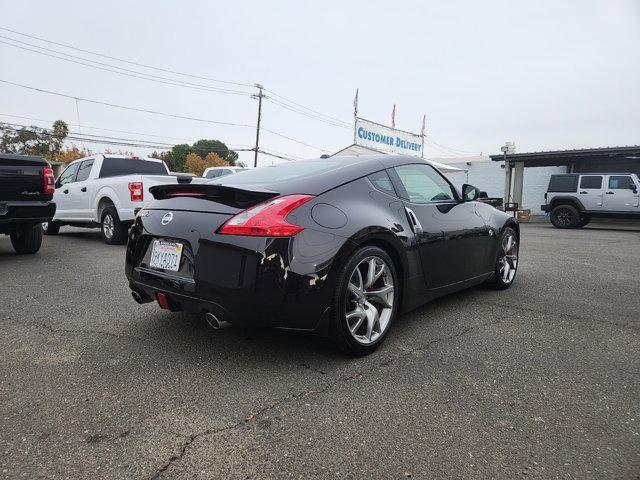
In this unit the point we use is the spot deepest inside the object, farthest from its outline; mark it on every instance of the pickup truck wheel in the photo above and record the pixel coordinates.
(27, 240)
(565, 216)
(50, 228)
(112, 229)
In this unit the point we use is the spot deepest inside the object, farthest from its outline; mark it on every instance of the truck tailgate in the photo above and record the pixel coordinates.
(22, 178)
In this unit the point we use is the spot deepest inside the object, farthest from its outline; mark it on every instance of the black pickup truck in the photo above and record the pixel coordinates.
(26, 189)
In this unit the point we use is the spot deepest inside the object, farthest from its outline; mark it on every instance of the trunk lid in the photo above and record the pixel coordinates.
(22, 178)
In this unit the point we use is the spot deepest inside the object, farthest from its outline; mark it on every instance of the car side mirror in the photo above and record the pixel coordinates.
(469, 193)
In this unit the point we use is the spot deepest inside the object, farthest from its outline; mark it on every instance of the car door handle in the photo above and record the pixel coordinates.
(610, 193)
(583, 193)
(66, 191)
(415, 223)
(83, 189)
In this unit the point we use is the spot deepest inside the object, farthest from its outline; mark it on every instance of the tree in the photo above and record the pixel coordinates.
(69, 154)
(194, 164)
(179, 156)
(204, 147)
(34, 140)
(215, 160)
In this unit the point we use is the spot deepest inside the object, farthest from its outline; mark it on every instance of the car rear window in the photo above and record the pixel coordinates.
(114, 167)
(282, 173)
(563, 183)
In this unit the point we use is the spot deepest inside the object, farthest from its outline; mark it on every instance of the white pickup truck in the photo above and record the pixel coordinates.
(104, 191)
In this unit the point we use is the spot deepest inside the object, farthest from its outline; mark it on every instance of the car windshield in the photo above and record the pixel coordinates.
(280, 173)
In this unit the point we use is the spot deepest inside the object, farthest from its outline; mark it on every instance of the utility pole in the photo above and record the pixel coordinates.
(259, 96)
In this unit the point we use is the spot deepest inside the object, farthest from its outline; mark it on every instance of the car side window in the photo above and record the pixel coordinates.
(591, 181)
(214, 173)
(423, 184)
(68, 175)
(84, 170)
(382, 182)
(620, 182)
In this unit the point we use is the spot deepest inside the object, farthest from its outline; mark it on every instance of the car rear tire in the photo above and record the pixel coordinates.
(365, 301)
(565, 216)
(27, 240)
(50, 228)
(506, 265)
(113, 231)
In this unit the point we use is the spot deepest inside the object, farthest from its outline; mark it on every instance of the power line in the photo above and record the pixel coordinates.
(122, 71)
(99, 128)
(125, 107)
(306, 108)
(127, 61)
(302, 112)
(294, 140)
(153, 112)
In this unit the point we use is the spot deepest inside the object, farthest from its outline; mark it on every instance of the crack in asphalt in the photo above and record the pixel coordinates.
(53, 329)
(295, 396)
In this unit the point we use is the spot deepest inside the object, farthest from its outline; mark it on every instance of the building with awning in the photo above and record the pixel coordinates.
(588, 160)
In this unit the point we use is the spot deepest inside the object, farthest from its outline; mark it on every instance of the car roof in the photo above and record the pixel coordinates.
(344, 170)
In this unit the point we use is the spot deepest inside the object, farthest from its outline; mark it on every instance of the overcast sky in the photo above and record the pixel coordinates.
(547, 74)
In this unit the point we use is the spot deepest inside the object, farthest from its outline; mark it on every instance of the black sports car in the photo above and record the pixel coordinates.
(336, 246)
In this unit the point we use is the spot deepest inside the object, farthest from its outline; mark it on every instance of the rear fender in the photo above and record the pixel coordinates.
(104, 196)
(564, 200)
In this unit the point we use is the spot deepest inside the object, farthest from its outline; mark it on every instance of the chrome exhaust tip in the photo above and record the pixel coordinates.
(214, 322)
(136, 296)
(140, 298)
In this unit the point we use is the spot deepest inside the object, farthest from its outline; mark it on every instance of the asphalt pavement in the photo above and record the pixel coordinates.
(542, 380)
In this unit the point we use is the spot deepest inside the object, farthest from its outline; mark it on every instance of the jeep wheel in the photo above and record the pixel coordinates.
(565, 216)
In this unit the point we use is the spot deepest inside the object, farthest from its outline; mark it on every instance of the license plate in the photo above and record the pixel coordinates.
(166, 255)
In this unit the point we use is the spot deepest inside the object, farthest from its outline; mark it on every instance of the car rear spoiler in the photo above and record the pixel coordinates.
(227, 195)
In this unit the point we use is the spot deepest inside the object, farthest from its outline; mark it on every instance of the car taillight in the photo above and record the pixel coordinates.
(267, 219)
(49, 181)
(135, 188)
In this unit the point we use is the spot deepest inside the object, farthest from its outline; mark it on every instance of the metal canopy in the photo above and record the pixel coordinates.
(568, 157)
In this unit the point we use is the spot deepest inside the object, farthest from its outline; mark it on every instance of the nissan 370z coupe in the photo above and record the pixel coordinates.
(337, 246)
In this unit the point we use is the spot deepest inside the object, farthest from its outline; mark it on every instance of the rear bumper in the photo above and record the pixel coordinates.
(282, 283)
(25, 213)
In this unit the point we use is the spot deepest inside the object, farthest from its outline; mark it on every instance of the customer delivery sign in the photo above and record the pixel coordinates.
(385, 139)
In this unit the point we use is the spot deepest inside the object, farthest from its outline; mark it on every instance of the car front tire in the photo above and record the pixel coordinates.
(113, 231)
(365, 301)
(27, 240)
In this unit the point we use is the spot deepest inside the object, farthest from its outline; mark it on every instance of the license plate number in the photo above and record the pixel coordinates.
(166, 255)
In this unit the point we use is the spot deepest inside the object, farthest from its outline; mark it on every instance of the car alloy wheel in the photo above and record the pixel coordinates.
(564, 217)
(369, 299)
(508, 259)
(108, 225)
